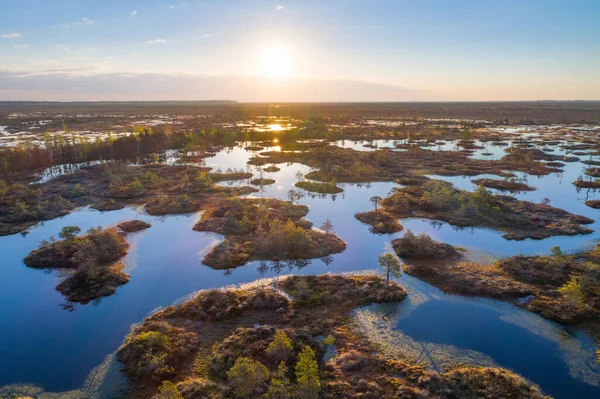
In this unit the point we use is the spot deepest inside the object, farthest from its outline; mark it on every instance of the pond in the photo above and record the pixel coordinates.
(49, 345)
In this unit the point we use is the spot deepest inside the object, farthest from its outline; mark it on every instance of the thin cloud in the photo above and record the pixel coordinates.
(63, 47)
(280, 7)
(82, 22)
(157, 41)
(21, 46)
(134, 13)
(11, 35)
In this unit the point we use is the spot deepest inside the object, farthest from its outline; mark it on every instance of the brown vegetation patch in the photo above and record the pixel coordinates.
(421, 246)
(505, 185)
(92, 256)
(518, 219)
(263, 229)
(131, 226)
(381, 222)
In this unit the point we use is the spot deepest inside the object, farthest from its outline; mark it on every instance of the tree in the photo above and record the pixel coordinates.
(307, 374)
(327, 226)
(247, 377)
(294, 195)
(391, 265)
(573, 293)
(279, 386)
(69, 232)
(280, 349)
(375, 200)
(168, 390)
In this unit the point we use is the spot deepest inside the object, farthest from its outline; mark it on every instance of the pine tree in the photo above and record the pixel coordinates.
(391, 265)
(307, 374)
(247, 377)
(279, 386)
(327, 226)
(280, 348)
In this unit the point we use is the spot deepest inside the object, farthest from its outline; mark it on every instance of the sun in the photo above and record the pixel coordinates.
(276, 62)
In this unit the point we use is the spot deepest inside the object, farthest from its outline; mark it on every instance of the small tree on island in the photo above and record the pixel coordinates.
(307, 374)
(294, 195)
(69, 232)
(327, 226)
(391, 265)
(375, 200)
(573, 293)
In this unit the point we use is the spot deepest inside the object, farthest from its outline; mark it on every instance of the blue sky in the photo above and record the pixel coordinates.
(333, 50)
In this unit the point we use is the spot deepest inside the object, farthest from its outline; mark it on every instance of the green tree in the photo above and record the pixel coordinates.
(168, 390)
(391, 265)
(69, 232)
(279, 386)
(573, 293)
(280, 349)
(307, 374)
(375, 200)
(247, 377)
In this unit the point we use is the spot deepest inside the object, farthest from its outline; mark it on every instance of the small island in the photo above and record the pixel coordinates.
(94, 259)
(504, 185)
(272, 169)
(320, 188)
(271, 340)
(162, 189)
(132, 226)
(560, 287)
(441, 201)
(264, 229)
(262, 182)
(411, 246)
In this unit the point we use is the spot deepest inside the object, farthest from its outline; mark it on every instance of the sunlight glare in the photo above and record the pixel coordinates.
(276, 62)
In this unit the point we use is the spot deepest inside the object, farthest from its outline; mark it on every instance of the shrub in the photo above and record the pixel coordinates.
(247, 377)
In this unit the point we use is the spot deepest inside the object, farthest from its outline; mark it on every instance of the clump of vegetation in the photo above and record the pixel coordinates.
(97, 247)
(91, 256)
(164, 189)
(381, 222)
(561, 287)
(422, 246)
(264, 230)
(131, 226)
(262, 182)
(272, 169)
(518, 219)
(155, 350)
(23, 205)
(321, 188)
(506, 185)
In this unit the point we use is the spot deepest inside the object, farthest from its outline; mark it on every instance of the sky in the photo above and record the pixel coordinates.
(300, 50)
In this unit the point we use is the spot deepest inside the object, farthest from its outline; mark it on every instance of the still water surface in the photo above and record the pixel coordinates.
(48, 346)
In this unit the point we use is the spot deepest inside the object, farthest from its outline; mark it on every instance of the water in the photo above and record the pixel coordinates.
(443, 330)
(44, 340)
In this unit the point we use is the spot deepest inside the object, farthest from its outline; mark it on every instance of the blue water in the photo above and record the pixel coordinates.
(444, 330)
(54, 348)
